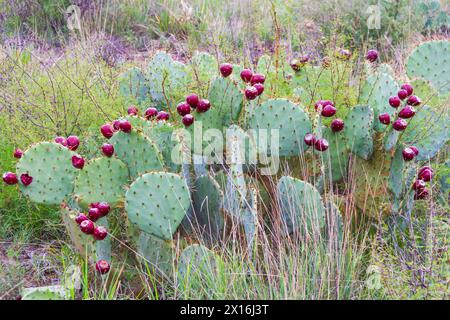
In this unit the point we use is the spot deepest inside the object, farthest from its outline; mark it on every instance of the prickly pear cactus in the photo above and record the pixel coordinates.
(336, 157)
(204, 66)
(359, 132)
(157, 202)
(196, 260)
(56, 292)
(50, 165)
(102, 179)
(134, 87)
(157, 253)
(430, 61)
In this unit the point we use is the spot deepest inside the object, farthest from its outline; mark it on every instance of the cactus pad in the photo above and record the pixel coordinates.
(358, 131)
(197, 260)
(56, 292)
(157, 202)
(336, 157)
(50, 165)
(204, 66)
(159, 254)
(133, 86)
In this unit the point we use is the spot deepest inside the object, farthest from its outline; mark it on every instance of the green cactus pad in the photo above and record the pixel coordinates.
(291, 121)
(158, 254)
(138, 152)
(133, 86)
(50, 165)
(358, 131)
(197, 260)
(396, 173)
(376, 92)
(204, 66)
(157, 203)
(102, 179)
(56, 292)
(430, 61)
(301, 205)
(428, 131)
(336, 156)
(391, 139)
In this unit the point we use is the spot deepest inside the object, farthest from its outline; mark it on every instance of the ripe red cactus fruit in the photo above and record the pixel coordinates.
(337, 125)
(402, 94)
(416, 151)
(18, 153)
(162, 116)
(328, 111)
(309, 139)
(251, 92)
(100, 233)
(407, 112)
(384, 118)
(400, 124)
(102, 266)
(116, 125)
(94, 204)
(426, 174)
(150, 113)
(107, 130)
(61, 140)
(421, 194)
(192, 100)
(408, 154)
(73, 142)
(203, 105)
(78, 161)
(183, 108)
(321, 104)
(257, 78)
(108, 149)
(259, 87)
(26, 179)
(321, 144)
(295, 64)
(419, 184)
(246, 75)
(409, 89)
(414, 100)
(104, 208)
(80, 218)
(10, 178)
(94, 214)
(87, 227)
(188, 119)
(226, 69)
(125, 126)
(394, 101)
(372, 55)
(133, 111)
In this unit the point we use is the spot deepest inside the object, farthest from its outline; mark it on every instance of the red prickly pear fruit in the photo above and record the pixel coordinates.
(321, 144)
(78, 161)
(203, 105)
(133, 111)
(409, 89)
(87, 227)
(162, 116)
(26, 179)
(295, 64)
(414, 100)
(107, 130)
(150, 113)
(426, 174)
(73, 142)
(246, 75)
(18, 153)
(10, 178)
(108, 149)
(372, 55)
(61, 140)
(419, 184)
(384, 118)
(80, 218)
(321, 104)
(421, 194)
(183, 108)
(408, 154)
(125, 126)
(328, 111)
(407, 112)
(188, 119)
(102, 266)
(337, 125)
(251, 93)
(192, 100)
(400, 124)
(416, 151)
(116, 125)
(94, 204)
(309, 139)
(259, 87)
(402, 94)
(394, 101)
(257, 78)
(100, 233)
(104, 208)
(226, 69)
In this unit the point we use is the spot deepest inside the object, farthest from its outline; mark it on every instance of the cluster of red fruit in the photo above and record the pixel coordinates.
(425, 175)
(10, 178)
(191, 102)
(72, 143)
(254, 81)
(326, 109)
